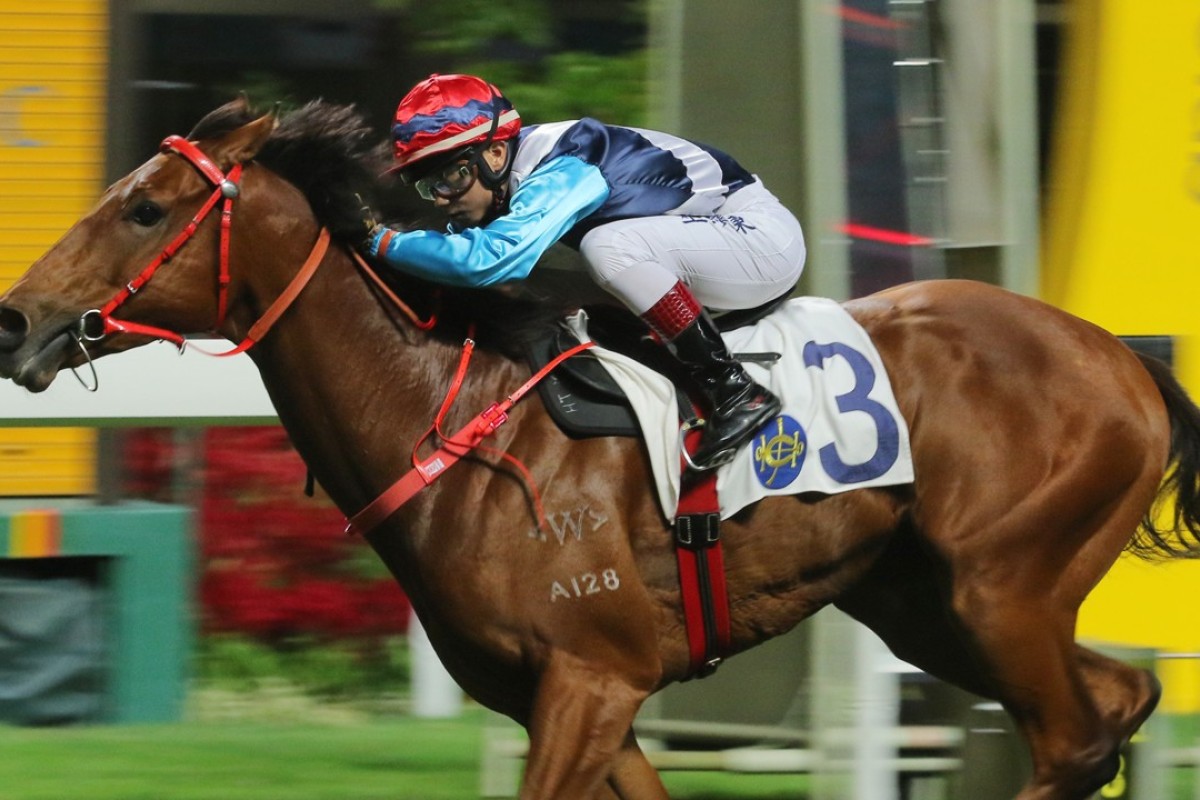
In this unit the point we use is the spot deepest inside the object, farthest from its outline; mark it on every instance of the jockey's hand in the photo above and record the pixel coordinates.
(370, 226)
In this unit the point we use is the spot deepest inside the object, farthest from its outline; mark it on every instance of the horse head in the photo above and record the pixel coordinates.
(53, 312)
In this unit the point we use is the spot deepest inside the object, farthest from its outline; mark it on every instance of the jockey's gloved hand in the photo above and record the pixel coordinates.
(370, 226)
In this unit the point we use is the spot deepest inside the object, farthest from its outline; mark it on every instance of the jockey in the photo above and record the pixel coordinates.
(667, 226)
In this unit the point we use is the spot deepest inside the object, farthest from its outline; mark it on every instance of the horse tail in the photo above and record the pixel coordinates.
(1182, 480)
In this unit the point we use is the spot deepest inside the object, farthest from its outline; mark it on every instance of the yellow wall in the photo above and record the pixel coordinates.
(53, 74)
(1123, 250)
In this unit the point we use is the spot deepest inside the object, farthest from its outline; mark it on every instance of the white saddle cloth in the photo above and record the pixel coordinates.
(840, 427)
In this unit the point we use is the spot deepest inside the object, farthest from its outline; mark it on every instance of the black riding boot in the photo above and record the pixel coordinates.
(737, 406)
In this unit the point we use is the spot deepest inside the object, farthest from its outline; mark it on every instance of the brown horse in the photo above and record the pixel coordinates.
(1039, 442)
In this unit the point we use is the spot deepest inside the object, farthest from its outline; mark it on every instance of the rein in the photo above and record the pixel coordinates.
(381, 285)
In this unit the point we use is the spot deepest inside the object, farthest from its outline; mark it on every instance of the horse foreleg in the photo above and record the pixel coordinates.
(577, 733)
(632, 777)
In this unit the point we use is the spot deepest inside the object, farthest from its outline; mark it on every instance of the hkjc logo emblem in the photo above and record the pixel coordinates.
(779, 451)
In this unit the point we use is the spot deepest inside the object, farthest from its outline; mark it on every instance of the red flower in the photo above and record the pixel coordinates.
(275, 563)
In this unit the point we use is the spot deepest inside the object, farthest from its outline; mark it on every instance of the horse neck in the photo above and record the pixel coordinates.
(354, 384)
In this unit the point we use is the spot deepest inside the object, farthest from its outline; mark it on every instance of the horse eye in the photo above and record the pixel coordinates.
(146, 214)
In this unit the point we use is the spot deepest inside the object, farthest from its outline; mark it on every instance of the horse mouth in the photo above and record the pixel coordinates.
(35, 365)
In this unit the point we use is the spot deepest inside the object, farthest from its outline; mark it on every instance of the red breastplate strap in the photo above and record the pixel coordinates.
(702, 568)
(453, 447)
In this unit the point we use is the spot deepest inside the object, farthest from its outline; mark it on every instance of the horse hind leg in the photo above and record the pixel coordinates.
(1039, 681)
(1074, 707)
(988, 646)
(1124, 696)
(1048, 692)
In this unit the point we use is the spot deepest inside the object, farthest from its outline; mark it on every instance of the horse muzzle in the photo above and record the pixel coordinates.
(31, 359)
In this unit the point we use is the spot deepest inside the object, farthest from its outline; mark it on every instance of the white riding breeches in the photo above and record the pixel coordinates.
(750, 251)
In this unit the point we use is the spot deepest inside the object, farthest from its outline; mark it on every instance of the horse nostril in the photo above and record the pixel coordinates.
(14, 327)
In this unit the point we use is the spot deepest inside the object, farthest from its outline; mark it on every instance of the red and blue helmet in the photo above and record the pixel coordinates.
(445, 115)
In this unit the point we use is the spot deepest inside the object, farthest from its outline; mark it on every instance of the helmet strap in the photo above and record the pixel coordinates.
(493, 179)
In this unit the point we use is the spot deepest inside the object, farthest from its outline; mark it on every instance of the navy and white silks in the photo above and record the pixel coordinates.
(644, 208)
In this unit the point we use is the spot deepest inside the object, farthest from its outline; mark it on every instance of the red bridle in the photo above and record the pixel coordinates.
(97, 323)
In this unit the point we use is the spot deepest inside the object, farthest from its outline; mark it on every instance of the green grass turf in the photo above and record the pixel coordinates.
(336, 757)
(392, 759)
(241, 761)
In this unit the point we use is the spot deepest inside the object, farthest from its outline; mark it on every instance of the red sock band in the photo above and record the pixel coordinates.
(674, 311)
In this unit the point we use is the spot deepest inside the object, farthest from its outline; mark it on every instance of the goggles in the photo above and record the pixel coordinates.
(448, 182)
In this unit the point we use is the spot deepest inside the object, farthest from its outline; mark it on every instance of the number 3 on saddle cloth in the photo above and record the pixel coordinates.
(839, 429)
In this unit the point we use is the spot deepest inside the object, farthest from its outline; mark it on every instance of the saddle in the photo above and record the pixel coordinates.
(583, 399)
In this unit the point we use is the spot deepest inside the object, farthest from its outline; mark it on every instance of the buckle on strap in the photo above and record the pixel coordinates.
(492, 418)
(698, 531)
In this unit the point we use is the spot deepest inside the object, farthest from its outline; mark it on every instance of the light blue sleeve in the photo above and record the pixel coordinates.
(547, 204)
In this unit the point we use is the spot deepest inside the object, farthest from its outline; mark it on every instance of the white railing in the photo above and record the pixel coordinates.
(152, 385)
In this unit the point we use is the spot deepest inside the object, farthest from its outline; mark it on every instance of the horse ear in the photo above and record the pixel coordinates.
(244, 143)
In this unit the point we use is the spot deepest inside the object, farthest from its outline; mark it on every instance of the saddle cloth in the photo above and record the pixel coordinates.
(840, 427)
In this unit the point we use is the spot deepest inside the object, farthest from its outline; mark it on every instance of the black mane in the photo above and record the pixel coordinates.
(332, 155)
(327, 151)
